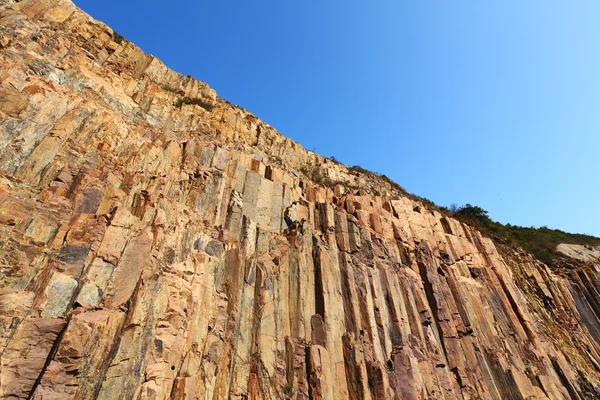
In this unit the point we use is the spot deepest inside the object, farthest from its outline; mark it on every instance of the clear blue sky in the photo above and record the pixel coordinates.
(491, 103)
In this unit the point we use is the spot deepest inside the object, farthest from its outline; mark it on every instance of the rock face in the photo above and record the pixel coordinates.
(157, 242)
(580, 252)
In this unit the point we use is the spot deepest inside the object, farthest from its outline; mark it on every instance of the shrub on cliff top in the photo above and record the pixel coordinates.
(118, 38)
(199, 102)
(541, 242)
(473, 213)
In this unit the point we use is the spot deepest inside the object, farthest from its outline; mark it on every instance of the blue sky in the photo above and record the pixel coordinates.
(492, 103)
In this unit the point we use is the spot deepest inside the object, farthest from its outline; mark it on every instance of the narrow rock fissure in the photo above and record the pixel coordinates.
(499, 375)
(319, 295)
(308, 372)
(349, 322)
(589, 293)
(429, 292)
(516, 309)
(51, 354)
(564, 380)
(116, 343)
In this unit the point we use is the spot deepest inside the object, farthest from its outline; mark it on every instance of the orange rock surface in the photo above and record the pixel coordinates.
(157, 242)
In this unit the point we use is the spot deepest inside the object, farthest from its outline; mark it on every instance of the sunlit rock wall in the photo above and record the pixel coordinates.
(157, 242)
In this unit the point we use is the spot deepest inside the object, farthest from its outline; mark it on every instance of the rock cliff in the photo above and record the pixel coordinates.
(158, 242)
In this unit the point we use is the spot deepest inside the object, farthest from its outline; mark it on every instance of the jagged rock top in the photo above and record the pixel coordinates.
(181, 98)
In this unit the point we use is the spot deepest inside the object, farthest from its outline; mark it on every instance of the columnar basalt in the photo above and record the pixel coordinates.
(157, 242)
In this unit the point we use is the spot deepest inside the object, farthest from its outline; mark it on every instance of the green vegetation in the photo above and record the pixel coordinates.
(117, 38)
(541, 242)
(200, 102)
(393, 184)
(357, 169)
(360, 170)
(288, 390)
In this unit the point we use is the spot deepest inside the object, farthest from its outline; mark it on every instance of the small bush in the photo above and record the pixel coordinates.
(475, 213)
(306, 171)
(117, 38)
(359, 169)
(389, 365)
(199, 102)
(288, 390)
(394, 185)
(541, 242)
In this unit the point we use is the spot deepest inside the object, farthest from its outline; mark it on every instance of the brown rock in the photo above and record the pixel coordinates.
(12, 102)
(151, 248)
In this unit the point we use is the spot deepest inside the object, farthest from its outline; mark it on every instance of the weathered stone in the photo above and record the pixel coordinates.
(214, 248)
(25, 356)
(12, 102)
(153, 251)
(58, 294)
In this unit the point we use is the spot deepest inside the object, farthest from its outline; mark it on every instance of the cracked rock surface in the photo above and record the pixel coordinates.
(157, 242)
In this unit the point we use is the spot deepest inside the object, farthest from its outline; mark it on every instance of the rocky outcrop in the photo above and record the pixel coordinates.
(157, 242)
(580, 252)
